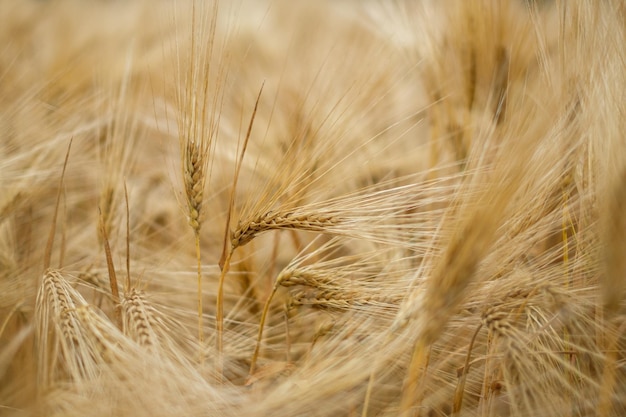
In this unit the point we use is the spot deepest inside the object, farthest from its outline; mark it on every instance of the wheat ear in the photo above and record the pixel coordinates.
(339, 298)
(81, 350)
(200, 100)
(54, 303)
(48, 252)
(139, 321)
(312, 222)
(449, 280)
(287, 277)
(194, 177)
(499, 324)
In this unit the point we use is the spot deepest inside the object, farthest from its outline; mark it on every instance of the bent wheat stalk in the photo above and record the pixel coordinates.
(227, 253)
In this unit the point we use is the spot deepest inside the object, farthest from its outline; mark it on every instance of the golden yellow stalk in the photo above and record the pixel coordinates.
(200, 101)
(112, 275)
(227, 250)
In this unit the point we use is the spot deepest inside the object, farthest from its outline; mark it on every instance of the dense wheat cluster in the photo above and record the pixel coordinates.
(313, 208)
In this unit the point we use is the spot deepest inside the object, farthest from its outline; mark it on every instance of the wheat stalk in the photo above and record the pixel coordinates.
(199, 104)
(614, 228)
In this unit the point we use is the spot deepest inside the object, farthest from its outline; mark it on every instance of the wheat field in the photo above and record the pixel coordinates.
(313, 208)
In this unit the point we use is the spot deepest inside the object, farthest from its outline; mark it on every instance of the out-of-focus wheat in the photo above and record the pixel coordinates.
(425, 217)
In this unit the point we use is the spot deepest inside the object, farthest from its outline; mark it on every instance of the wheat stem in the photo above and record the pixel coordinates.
(609, 374)
(261, 326)
(219, 313)
(460, 389)
(368, 393)
(48, 252)
(127, 283)
(200, 309)
(409, 390)
(111, 268)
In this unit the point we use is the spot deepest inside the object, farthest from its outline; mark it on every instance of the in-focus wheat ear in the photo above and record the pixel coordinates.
(194, 182)
(200, 101)
(194, 177)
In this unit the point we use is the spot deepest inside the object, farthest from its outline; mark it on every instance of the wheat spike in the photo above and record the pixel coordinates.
(246, 231)
(59, 332)
(194, 182)
(138, 319)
